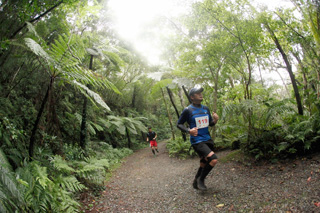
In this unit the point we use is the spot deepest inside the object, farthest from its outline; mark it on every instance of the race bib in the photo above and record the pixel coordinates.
(202, 121)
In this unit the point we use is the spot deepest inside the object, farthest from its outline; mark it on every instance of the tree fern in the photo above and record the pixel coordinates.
(64, 58)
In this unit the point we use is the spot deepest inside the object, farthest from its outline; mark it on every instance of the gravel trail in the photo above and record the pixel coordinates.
(145, 183)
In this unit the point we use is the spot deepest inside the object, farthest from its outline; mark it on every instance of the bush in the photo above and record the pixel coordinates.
(180, 148)
(50, 183)
(299, 137)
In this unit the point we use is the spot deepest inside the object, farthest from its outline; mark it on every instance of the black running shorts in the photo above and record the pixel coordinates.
(203, 148)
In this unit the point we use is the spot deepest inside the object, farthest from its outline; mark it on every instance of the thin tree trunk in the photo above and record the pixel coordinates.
(262, 83)
(231, 82)
(36, 124)
(181, 98)
(172, 102)
(133, 97)
(175, 108)
(128, 137)
(83, 131)
(284, 83)
(289, 69)
(35, 19)
(305, 79)
(12, 80)
(186, 93)
(169, 116)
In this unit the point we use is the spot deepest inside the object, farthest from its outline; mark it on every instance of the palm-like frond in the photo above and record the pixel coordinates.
(92, 95)
(64, 59)
(10, 193)
(38, 50)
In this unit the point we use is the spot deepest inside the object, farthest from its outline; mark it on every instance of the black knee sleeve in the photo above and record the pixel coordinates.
(202, 160)
(212, 157)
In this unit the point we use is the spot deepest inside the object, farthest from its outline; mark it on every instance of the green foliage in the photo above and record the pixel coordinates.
(180, 148)
(42, 193)
(11, 138)
(299, 136)
(36, 188)
(224, 46)
(64, 59)
(11, 197)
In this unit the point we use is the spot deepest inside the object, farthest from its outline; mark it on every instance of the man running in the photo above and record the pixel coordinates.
(199, 119)
(151, 136)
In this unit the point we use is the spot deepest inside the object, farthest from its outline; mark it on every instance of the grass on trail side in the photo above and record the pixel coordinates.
(237, 156)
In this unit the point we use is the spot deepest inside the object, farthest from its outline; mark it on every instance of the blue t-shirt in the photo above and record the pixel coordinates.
(197, 117)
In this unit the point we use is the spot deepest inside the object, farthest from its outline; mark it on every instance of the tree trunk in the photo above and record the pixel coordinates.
(175, 108)
(289, 69)
(305, 80)
(172, 102)
(36, 124)
(186, 93)
(128, 137)
(283, 82)
(35, 19)
(169, 116)
(181, 98)
(83, 131)
(134, 97)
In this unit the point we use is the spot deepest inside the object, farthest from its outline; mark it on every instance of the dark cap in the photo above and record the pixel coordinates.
(195, 91)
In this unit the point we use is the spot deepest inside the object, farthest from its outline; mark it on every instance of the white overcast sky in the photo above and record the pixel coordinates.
(132, 16)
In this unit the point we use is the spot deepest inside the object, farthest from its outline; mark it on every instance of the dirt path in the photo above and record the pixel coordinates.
(161, 184)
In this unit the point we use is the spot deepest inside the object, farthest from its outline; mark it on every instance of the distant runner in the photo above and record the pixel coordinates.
(151, 136)
(199, 119)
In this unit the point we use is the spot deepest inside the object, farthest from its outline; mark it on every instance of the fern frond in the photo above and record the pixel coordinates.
(97, 126)
(10, 192)
(91, 129)
(93, 95)
(69, 183)
(61, 165)
(104, 122)
(38, 50)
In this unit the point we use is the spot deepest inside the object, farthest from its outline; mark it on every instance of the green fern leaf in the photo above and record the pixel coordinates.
(94, 95)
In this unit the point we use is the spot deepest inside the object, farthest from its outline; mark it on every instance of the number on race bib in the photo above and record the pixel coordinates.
(202, 122)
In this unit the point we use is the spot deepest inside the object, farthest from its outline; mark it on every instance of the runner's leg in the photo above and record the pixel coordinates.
(202, 165)
(156, 145)
(211, 162)
(152, 148)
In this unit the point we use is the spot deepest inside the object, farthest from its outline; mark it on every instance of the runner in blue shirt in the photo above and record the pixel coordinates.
(199, 119)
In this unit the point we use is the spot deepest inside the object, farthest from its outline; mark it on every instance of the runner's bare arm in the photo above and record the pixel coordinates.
(155, 137)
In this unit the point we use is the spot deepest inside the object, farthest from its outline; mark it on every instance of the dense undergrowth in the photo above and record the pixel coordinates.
(296, 136)
(51, 183)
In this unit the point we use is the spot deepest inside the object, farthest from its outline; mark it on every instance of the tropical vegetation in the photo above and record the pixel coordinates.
(75, 98)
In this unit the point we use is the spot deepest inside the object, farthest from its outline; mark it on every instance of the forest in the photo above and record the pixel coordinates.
(76, 98)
